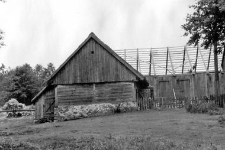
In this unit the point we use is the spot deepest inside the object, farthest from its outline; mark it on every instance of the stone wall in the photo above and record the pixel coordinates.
(64, 113)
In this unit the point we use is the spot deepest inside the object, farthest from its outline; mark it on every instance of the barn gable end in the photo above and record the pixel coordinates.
(92, 63)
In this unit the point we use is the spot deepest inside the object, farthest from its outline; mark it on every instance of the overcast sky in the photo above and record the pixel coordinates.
(43, 31)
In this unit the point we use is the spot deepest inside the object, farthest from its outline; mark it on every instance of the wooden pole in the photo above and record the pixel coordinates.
(125, 54)
(167, 55)
(209, 57)
(171, 62)
(189, 60)
(223, 59)
(137, 59)
(183, 59)
(153, 62)
(196, 59)
(203, 60)
(150, 62)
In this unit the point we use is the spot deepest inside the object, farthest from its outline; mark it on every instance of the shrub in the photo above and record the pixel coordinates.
(202, 107)
(221, 119)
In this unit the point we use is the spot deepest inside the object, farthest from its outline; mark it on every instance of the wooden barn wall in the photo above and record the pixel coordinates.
(39, 108)
(185, 85)
(93, 64)
(81, 94)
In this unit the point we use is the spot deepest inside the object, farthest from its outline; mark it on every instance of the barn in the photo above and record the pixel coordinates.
(93, 73)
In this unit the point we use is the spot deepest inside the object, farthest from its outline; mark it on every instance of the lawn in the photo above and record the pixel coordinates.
(153, 129)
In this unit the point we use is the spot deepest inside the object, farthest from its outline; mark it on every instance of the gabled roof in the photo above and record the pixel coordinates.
(106, 47)
(93, 36)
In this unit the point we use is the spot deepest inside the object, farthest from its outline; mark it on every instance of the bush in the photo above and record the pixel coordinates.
(202, 107)
(221, 119)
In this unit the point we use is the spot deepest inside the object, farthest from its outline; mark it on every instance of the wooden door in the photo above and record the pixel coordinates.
(182, 88)
(49, 105)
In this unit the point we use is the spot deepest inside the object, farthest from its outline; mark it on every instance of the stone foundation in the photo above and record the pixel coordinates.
(64, 113)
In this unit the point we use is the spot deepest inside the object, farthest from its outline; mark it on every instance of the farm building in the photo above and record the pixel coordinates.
(93, 73)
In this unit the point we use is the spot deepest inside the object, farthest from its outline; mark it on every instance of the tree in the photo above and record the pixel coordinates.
(206, 25)
(23, 84)
(48, 71)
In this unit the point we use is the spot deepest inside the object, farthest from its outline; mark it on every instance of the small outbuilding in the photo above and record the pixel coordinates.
(93, 73)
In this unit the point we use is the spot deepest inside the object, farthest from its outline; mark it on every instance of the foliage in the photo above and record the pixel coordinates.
(221, 119)
(42, 73)
(206, 23)
(202, 107)
(23, 82)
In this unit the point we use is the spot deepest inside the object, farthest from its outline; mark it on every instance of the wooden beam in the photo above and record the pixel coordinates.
(153, 62)
(150, 62)
(167, 54)
(203, 60)
(189, 60)
(137, 59)
(125, 54)
(209, 57)
(171, 62)
(183, 59)
(56, 96)
(196, 59)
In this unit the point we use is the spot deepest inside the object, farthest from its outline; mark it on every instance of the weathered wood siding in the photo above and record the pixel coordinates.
(79, 94)
(39, 108)
(185, 85)
(93, 64)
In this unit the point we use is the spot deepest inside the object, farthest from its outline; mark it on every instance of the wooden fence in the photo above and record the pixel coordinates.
(163, 102)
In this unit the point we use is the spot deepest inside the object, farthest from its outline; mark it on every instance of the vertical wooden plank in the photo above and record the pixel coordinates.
(196, 59)
(153, 62)
(203, 60)
(171, 62)
(137, 59)
(167, 55)
(183, 59)
(56, 96)
(150, 63)
(189, 60)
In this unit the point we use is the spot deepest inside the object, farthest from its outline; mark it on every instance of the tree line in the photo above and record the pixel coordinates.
(23, 82)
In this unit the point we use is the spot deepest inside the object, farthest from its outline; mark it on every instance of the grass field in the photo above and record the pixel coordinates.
(153, 129)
